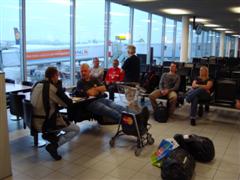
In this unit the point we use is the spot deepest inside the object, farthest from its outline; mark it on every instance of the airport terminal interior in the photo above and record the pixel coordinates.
(35, 35)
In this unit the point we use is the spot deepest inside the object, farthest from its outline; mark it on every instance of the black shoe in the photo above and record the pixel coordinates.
(200, 111)
(52, 149)
(50, 137)
(207, 108)
(193, 122)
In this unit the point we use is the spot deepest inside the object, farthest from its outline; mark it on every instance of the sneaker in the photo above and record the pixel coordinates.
(193, 122)
(52, 149)
(200, 111)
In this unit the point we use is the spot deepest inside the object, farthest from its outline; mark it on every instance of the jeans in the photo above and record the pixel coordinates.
(193, 97)
(106, 107)
(70, 131)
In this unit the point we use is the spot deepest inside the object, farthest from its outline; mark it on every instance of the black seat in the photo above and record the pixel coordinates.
(27, 83)
(10, 81)
(15, 104)
(27, 116)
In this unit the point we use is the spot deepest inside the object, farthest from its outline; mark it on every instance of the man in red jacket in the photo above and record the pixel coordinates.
(114, 74)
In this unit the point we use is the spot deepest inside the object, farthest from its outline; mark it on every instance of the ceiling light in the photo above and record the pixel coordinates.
(176, 11)
(198, 20)
(229, 32)
(235, 35)
(211, 25)
(235, 9)
(220, 29)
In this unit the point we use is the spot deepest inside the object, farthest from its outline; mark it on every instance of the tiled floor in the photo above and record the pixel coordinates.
(89, 156)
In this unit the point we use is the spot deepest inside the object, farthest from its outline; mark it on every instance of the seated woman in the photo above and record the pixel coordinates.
(201, 89)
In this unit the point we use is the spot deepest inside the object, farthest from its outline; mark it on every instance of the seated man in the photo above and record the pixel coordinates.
(114, 74)
(97, 72)
(92, 87)
(168, 85)
(201, 89)
(45, 98)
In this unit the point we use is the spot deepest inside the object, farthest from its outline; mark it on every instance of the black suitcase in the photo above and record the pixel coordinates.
(202, 148)
(161, 113)
(179, 165)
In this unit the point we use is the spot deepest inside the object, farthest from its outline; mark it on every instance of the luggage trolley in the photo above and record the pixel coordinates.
(133, 123)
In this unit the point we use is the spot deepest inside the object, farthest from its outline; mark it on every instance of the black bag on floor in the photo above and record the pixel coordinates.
(161, 113)
(201, 148)
(179, 165)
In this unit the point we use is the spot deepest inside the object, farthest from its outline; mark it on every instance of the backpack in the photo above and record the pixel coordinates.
(161, 113)
(179, 165)
(201, 148)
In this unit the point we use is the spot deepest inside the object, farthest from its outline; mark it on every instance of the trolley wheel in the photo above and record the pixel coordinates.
(112, 142)
(138, 151)
(150, 140)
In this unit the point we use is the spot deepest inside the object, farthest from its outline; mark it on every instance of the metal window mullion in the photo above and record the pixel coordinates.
(22, 23)
(72, 40)
(131, 21)
(106, 31)
(163, 37)
(149, 37)
(174, 39)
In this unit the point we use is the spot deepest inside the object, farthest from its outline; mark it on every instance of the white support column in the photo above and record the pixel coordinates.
(184, 43)
(213, 48)
(221, 47)
(236, 47)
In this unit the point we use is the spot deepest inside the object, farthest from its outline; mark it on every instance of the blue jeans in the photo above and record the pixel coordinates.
(70, 131)
(193, 97)
(106, 107)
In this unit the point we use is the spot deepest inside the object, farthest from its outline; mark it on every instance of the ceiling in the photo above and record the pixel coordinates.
(217, 11)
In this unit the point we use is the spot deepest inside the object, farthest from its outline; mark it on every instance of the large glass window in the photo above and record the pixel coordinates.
(178, 40)
(10, 39)
(48, 38)
(140, 28)
(217, 34)
(89, 31)
(168, 39)
(119, 31)
(156, 38)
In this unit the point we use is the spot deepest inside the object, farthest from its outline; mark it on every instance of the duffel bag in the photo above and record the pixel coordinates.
(202, 148)
(179, 165)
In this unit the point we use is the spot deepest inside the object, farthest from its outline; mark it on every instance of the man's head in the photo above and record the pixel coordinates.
(131, 49)
(95, 62)
(115, 63)
(85, 71)
(203, 72)
(173, 67)
(51, 74)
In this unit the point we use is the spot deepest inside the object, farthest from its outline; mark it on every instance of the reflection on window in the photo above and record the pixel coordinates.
(168, 39)
(140, 28)
(89, 32)
(156, 38)
(119, 32)
(10, 39)
(48, 38)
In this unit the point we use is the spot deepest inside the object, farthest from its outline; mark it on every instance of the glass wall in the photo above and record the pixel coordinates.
(140, 28)
(168, 48)
(119, 32)
(178, 40)
(48, 38)
(10, 39)
(89, 32)
(156, 38)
